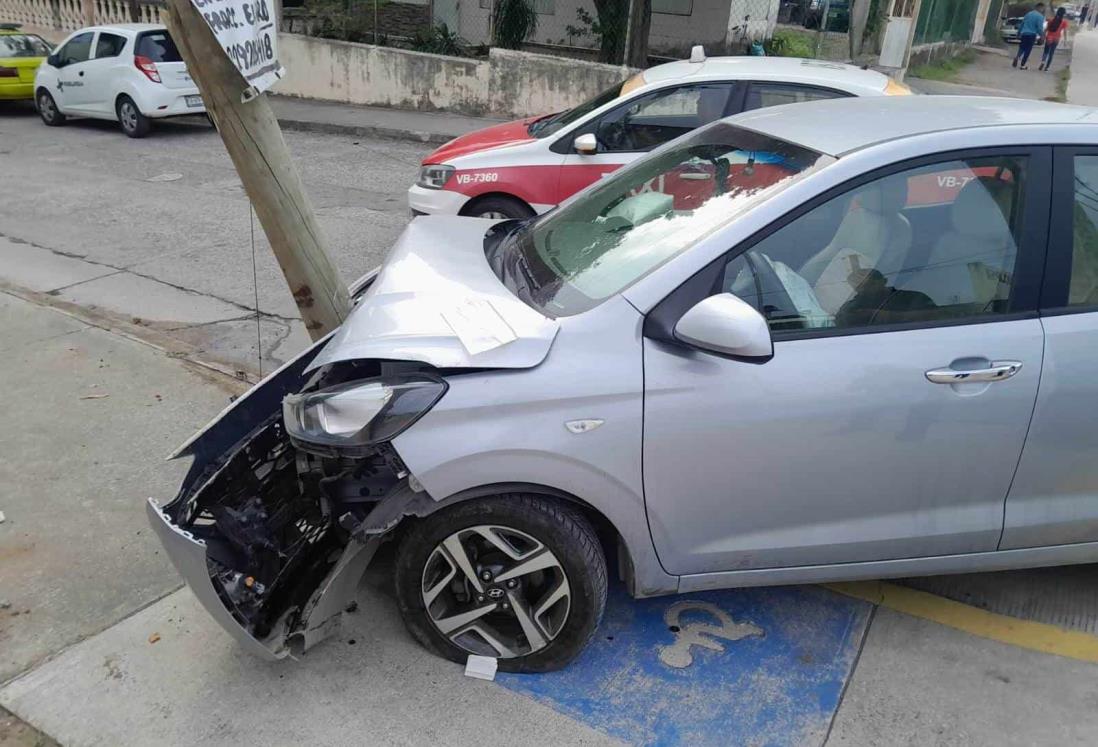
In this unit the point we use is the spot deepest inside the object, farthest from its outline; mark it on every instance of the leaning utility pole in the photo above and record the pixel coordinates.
(254, 142)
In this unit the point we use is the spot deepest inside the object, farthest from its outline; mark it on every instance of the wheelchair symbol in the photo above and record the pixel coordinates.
(678, 654)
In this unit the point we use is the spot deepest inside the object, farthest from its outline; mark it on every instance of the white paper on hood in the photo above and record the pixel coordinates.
(477, 324)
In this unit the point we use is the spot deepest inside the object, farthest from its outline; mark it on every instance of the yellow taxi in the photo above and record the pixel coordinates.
(20, 55)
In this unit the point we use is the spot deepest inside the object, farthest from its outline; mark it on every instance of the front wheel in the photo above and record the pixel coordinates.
(47, 109)
(499, 207)
(517, 577)
(134, 123)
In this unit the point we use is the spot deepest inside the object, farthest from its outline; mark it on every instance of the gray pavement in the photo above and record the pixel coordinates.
(920, 683)
(85, 447)
(158, 231)
(1083, 87)
(990, 74)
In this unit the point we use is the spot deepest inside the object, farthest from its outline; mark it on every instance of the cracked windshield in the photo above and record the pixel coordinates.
(642, 216)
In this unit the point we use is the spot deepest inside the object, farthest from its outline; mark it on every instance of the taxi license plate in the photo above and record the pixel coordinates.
(193, 101)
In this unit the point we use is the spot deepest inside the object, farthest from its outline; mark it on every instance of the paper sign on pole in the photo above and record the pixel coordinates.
(248, 32)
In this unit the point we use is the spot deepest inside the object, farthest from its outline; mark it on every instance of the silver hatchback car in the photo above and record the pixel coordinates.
(839, 340)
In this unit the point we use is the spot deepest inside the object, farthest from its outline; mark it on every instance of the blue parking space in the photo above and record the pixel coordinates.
(748, 666)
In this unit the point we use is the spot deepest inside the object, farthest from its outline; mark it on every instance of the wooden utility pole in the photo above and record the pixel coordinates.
(254, 142)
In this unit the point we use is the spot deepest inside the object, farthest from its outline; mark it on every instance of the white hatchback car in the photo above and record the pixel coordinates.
(131, 73)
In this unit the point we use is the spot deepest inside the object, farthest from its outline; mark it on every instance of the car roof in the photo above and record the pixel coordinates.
(128, 28)
(792, 69)
(839, 126)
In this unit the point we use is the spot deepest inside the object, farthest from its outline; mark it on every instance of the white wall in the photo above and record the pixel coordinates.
(507, 83)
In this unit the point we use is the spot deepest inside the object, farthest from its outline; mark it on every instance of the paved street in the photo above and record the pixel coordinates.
(161, 228)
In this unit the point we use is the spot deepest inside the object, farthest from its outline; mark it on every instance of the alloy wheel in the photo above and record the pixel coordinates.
(495, 591)
(493, 214)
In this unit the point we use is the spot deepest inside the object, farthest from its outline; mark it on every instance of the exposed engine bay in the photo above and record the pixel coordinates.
(283, 522)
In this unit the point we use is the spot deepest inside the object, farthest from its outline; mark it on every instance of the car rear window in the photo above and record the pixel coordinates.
(22, 45)
(158, 46)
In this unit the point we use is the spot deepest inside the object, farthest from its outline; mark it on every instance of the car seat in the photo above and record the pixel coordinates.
(873, 235)
(971, 264)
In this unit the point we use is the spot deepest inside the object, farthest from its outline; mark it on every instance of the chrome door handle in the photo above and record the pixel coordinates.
(997, 371)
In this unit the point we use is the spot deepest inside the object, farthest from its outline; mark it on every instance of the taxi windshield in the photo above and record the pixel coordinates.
(22, 45)
(553, 123)
(591, 248)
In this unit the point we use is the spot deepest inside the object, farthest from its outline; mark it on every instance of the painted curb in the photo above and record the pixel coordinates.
(1027, 634)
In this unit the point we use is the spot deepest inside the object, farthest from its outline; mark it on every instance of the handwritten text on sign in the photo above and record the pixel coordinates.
(247, 31)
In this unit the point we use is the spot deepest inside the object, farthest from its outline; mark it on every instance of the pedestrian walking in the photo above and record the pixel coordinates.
(1057, 27)
(1033, 25)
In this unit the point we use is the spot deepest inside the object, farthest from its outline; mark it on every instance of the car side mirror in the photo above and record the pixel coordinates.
(726, 325)
(586, 144)
(53, 60)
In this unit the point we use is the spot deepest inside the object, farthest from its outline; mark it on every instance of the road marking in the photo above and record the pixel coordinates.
(700, 634)
(781, 687)
(1036, 636)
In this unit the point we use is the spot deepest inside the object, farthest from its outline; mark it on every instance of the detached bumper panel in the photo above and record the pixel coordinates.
(188, 555)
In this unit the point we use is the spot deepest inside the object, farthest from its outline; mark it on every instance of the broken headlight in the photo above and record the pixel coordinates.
(363, 412)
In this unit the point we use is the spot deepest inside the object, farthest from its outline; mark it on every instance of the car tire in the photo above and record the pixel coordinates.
(133, 122)
(531, 526)
(497, 207)
(47, 109)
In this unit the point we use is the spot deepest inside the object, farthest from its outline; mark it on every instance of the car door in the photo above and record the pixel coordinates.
(630, 130)
(906, 362)
(72, 60)
(1054, 498)
(99, 72)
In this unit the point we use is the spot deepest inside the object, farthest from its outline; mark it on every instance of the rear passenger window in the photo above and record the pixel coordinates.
(1083, 290)
(930, 244)
(109, 45)
(762, 95)
(158, 46)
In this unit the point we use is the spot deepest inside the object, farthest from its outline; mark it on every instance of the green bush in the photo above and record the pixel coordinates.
(789, 43)
(514, 21)
(440, 40)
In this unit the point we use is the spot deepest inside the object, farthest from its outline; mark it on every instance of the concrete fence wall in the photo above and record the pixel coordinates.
(508, 83)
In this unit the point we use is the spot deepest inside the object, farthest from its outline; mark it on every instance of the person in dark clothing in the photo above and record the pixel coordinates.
(1053, 33)
(1033, 25)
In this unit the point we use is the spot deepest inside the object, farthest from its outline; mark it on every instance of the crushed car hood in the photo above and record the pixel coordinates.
(437, 301)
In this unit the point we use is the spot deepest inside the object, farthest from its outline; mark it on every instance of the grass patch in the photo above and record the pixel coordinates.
(944, 70)
(790, 43)
(1062, 85)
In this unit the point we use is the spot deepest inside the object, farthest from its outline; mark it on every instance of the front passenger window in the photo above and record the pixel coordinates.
(930, 244)
(78, 49)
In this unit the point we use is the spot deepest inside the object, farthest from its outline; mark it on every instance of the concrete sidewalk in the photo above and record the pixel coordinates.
(1083, 87)
(367, 121)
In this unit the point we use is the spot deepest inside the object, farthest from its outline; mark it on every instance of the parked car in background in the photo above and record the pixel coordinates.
(838, 340)
(131, 73)
(20, 55)
(518, 169)
(1008, 31)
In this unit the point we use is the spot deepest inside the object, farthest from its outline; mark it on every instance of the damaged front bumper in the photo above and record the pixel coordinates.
(322, 617)
(273, 540)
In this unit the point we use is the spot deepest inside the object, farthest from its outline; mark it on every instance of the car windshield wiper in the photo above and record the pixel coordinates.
(541, 123)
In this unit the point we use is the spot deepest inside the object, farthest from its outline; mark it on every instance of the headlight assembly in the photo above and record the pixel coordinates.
(434, 176)
(361, 413)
